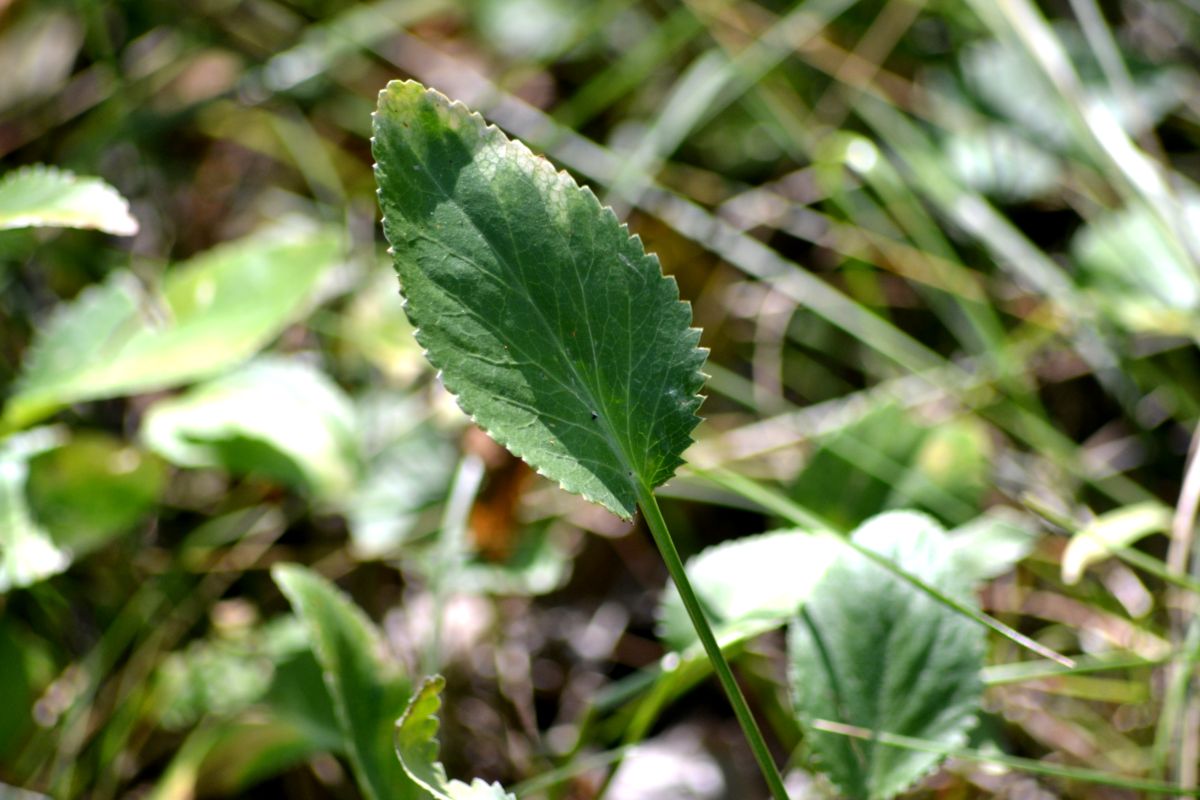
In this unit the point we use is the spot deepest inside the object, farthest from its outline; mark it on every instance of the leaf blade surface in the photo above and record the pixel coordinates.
(367, 692)
(41, 196)
(555, 330)
(871, 651)
(417, 748)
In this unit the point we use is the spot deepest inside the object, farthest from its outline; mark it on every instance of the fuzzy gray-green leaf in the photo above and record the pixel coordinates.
(556, 331)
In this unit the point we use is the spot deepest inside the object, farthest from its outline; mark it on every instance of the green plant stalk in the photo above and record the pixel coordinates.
(666, 547)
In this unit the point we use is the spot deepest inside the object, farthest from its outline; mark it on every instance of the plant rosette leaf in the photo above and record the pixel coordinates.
(417, 748)
(551, 325)
(871, 651)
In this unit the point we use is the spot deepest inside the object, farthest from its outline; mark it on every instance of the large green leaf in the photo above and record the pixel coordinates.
(217, 310)
(870, 650)
(279, 417)
(417, 748)
(47, 197)
(750, 584)
(367, 691)
(554, 329)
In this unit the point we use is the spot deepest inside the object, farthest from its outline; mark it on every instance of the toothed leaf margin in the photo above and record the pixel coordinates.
(555, 330)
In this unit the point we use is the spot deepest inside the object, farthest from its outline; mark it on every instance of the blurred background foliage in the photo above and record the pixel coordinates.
(945, 256)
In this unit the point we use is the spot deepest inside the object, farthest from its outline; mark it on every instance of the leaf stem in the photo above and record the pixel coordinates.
(666, 547)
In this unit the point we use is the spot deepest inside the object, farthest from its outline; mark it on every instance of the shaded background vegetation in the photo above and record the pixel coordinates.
(944, 255)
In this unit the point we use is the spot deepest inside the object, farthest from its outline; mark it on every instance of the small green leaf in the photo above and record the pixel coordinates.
(990, 545)
(40, 196)
(417, 748)
(551, 325)
(1129, 258)
(1110, 532)
(27, 553)
(367, 691)
(216, 311)
(279, 417)
(998, 161)
(409, 466)
(93, 488)
(871, 651)
(756, 583)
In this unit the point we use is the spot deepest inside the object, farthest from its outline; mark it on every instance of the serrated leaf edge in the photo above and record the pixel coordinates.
(542, 163)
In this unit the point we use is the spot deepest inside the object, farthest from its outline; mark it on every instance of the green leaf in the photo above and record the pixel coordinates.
(1107, 533)
(990, 545)
(93, 488)
(540, 563)
(216, 311)
(409, 466)
(1127, 256)
(998, 161)
(417, 748)
(367, 691)
(551, 325)
(276, 416)
(756, 583)
(27, 553)
(870, 650)
(21, 689)
(40, 196)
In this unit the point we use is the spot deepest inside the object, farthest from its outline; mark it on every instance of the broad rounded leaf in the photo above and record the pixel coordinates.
(991, 544)
(555, 330)
(40, 196)
(749, 585)
(417, 748)
(276, 416)
(870, 650)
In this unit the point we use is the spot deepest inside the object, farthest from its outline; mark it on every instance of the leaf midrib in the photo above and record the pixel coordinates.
(607, 429)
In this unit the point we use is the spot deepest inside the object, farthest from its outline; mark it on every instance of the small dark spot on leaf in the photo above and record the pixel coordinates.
(595, 416)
